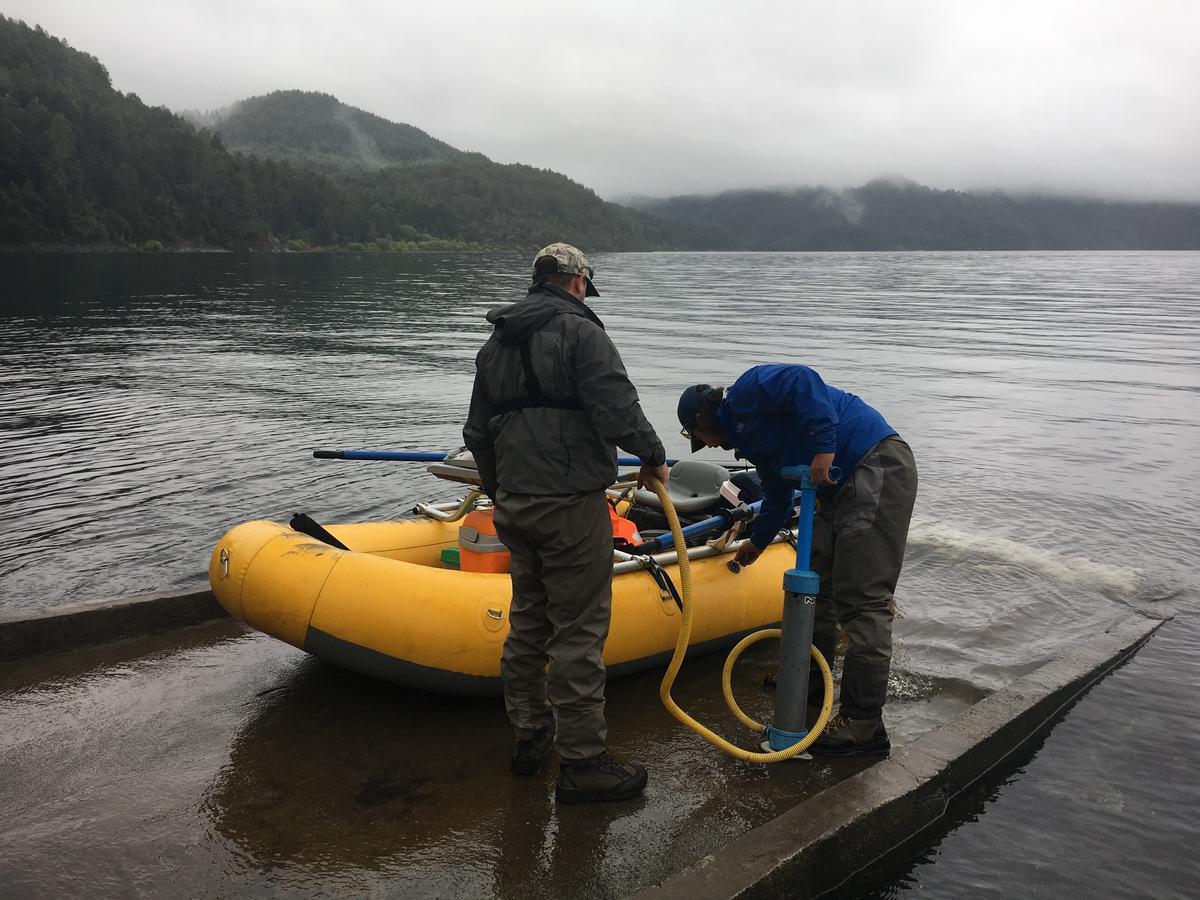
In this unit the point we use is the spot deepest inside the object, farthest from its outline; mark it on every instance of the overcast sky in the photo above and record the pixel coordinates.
(659, 97)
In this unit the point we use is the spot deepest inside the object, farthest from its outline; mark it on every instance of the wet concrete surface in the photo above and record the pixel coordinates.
(826, 845)
(212, 762)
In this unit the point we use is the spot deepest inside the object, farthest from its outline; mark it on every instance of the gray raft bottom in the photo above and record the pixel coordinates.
(426, 678)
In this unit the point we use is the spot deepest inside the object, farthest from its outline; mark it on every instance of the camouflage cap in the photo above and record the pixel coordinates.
(568, 260)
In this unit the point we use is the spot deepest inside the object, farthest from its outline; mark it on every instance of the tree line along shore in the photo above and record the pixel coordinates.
(86, 167)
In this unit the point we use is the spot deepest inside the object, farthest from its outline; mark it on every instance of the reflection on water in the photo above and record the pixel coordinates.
(338, 776)
(337, 773)
(326, 768)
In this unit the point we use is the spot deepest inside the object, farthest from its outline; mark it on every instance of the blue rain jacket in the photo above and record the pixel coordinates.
(776, 415)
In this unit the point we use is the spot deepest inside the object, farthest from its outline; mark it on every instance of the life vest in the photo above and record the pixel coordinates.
(624, 530)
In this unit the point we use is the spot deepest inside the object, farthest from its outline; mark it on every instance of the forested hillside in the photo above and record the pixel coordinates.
(82, 164)
(900, 215)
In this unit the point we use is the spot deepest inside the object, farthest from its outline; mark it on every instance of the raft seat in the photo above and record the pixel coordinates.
(694, 486)
(459, 466)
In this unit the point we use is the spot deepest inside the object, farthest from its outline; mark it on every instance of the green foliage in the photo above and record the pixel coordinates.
(81, 163)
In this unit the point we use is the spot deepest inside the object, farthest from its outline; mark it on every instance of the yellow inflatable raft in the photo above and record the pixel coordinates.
(387, 608)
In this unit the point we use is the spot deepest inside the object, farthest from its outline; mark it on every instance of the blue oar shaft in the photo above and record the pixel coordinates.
(696, 529)
(423, 456)
(393, 455)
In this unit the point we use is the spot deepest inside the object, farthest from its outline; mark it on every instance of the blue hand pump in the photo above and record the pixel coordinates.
(800, 588)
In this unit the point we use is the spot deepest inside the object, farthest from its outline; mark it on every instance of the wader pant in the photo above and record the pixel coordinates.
(858, 550)
(562, 599)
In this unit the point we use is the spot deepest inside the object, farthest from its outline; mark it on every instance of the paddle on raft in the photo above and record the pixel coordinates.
(425, 456)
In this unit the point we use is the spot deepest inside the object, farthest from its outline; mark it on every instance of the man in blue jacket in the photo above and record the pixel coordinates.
(783, 415)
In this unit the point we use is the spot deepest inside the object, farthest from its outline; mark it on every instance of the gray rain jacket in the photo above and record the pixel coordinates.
(555, 436)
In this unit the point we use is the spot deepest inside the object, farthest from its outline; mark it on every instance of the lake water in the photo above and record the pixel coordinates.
(148, 403)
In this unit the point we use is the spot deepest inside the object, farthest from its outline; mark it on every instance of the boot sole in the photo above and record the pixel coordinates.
(525, 770)
(866, 750)
(571, 796)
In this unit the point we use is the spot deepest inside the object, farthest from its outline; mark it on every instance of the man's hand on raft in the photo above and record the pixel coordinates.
(818, 470)
(661, 472)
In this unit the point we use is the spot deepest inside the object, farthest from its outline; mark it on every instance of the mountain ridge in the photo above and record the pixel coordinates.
(84, 165)
(892, 213)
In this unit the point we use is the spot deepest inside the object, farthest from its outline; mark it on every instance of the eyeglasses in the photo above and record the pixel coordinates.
(687, 434)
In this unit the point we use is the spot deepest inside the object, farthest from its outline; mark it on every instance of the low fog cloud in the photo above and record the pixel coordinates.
(671, 97)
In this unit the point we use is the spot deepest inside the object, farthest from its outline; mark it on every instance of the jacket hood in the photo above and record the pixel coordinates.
(517, 321)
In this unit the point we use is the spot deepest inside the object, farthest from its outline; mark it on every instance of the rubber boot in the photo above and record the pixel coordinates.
(598, 779)
(858, 728)
(864, 687)
(844, 736)
(529, 753)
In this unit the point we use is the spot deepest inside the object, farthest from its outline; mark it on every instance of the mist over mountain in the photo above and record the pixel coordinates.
(894, 213)
(82, 164)
(315, 129)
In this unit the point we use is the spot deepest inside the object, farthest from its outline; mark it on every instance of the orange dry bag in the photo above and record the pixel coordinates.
(479, 549)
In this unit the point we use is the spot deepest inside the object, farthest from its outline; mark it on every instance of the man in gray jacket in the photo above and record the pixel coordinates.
(551, 404)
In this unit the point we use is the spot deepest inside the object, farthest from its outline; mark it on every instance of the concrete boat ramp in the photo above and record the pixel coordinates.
(152, 747)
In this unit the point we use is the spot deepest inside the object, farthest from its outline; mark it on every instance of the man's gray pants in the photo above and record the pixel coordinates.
(562, 600)
(858, 551)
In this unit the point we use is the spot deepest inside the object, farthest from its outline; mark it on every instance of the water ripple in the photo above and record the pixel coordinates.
(147, 404)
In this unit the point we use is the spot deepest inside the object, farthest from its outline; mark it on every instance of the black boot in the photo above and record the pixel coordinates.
(598, 779)
(858, 728)
(529, 753)
(844, 736)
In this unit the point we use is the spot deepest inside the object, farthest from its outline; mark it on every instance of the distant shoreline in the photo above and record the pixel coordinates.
(115, 249)
(83, 249)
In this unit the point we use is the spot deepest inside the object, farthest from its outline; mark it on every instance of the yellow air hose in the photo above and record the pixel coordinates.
(681, 645)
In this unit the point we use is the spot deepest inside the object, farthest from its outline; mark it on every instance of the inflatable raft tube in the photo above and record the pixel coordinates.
(387, 609)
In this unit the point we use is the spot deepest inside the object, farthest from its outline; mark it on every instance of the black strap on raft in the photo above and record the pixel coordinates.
(533, 391)
(666, 587)
(624, 545)
(305, 525)
(728, 517)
